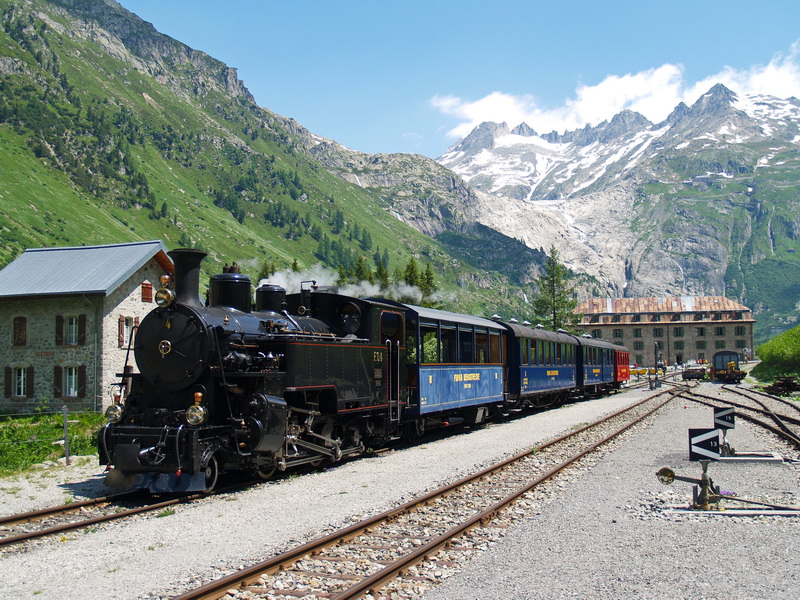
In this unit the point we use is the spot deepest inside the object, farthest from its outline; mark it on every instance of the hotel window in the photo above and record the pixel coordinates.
(618, 334)
(700, 331)
(597, 334)
(719, 331)
(678, 345)
(719, 344)
(741, 343)
(678, 332)
(638, 346)
(637, 333)
(656, 319)
(658, 332)
(616, 318)
(637, 318)
(701, 345)
(740, 330)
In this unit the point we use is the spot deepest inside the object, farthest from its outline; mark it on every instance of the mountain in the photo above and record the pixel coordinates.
(111, 131)
(706, 202)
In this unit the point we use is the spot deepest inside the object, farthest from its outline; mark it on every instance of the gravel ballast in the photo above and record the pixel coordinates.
(615, 531)
(609, 540)
(147, 557)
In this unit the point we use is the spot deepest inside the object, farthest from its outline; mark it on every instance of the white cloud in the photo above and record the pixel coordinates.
(653, 93)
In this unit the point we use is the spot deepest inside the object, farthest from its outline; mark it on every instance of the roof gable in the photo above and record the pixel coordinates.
(78, 269)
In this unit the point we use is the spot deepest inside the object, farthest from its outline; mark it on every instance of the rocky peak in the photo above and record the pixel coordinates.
(480, 138)
(524, 129)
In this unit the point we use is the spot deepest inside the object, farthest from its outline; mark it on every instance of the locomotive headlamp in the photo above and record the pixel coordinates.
(114, 413)
(165, 280)
(165, 297)
(196, 414)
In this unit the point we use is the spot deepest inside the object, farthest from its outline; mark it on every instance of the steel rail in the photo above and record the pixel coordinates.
(780, 432)
(250, 575)
(30, 535)
(36, 515)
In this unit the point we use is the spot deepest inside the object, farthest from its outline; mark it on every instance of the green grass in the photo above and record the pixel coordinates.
(779, 356)
(26, 441)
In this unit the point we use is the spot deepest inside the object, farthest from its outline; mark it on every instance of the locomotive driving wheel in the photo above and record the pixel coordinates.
(211, 473)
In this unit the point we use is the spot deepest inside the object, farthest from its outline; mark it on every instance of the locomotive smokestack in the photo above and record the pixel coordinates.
(187, 275)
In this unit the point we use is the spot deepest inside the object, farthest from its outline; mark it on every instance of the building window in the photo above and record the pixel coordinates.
(70, 382)
(678, 332)
(126, 328)
(597, 334)
(719, 331)
(717, 316)
(18, 382)
(676, 317)
(595, 319)
(700, 316)
(658, 332)
(70, 330)
(637, 318)
(618, 334)
(719, 344)
(20, 331)
(701, 331)
(147, 292)
(741, 343)
(740, 330)
(640, 359)
(638, 346)
(616, 318)
(678, 345)
(656, 318)
(738, 316)
(701, 345)
(637, 333)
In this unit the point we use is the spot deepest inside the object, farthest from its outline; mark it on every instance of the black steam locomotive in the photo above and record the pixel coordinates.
(315, 376)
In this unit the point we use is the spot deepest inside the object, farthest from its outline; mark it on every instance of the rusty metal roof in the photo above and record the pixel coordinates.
(673, 304)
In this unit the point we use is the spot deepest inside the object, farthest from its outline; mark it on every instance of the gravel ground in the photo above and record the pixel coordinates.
(615, 533)
(153, 557)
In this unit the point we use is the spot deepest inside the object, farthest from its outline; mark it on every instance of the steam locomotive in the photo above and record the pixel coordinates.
(315, 376)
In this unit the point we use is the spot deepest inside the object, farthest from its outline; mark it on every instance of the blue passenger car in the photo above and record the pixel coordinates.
(455, 364)
(596, 365)
(541, 365)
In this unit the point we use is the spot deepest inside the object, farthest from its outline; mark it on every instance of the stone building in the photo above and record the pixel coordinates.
(685, 327)
(66, 319)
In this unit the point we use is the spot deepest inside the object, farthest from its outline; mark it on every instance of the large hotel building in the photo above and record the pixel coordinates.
(672, 330)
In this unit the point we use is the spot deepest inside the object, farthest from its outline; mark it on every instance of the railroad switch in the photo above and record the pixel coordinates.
(705, 495)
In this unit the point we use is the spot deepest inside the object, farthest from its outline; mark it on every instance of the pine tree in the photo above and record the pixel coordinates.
(554, 304)
(427, 283)
(411, 273)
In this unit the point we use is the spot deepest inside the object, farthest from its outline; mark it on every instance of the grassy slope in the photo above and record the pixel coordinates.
(42, 206)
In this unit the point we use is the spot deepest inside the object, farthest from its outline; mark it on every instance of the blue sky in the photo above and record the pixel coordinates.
(413, 76)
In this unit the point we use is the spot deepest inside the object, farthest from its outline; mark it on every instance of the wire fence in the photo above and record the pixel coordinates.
(27, 439)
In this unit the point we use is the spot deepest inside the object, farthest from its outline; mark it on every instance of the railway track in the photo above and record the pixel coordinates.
(371, 554)
(16, 530)
(755, 409)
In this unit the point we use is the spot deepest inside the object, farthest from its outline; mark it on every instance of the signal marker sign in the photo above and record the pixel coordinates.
(725, 418)
(704, 444)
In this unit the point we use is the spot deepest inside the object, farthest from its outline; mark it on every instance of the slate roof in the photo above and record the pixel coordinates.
(78, 269)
